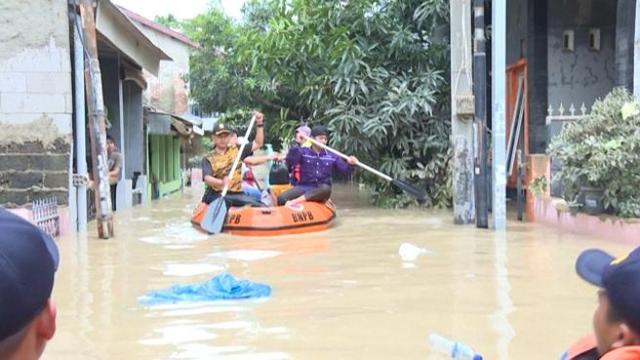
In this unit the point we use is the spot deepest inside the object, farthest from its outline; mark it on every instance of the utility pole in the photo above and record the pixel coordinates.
(462, 112)
(480, 118)
(80, 121)
(95, 105)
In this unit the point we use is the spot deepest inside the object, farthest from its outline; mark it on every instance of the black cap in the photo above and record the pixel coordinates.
(319, 130)
(28, 261)
(221, 128)
(619, 277)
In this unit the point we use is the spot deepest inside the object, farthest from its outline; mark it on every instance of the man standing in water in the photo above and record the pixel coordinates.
(616, 321)
(28, 262)
(316, 169)
(115, 168)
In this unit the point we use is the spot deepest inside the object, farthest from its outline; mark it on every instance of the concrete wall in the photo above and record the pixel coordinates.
(625, 33)
(133, 136)
(110, 70)
(177, 50)
(168, 91)
(517, 21)
(35, 101)
(583, 75)
(538, 74)
(527, 38)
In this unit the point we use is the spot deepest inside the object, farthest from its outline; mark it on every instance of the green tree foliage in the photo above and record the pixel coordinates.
(374, 71)
(169, 21)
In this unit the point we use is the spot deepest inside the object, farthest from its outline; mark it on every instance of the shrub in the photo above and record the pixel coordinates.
(603, 151)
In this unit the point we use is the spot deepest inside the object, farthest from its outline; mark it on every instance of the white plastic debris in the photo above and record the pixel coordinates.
(410, 252)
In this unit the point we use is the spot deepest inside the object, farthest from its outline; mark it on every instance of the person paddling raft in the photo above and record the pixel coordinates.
(217, 164)
(316, 167)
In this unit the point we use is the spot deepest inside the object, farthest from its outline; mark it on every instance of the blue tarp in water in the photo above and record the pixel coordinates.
(222, 287)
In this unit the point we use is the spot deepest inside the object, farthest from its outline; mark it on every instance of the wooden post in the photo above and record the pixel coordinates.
(95, 106)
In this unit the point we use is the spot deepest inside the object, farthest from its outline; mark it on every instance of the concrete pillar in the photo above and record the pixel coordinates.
(462, 110)
(81, 127)
(498, 84)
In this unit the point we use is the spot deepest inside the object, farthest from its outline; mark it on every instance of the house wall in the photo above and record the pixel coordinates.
(583, 75)
(133, 135)
(527, 29)
(168, 91)
(110, 69)
(538, 75)
(625, 36)
(164, 163)
(517, 21)
(35, 101)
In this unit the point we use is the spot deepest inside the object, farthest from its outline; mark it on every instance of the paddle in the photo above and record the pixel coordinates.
(419, 194)
(213, 219)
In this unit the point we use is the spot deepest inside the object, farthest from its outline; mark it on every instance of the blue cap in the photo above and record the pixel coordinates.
(28, 261)
(319, 130)
(619, 277)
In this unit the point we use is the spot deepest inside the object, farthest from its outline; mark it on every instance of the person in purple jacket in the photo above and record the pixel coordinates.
(316, 167)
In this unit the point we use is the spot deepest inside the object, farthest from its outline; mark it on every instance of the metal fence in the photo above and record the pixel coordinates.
(558, 115)
(45, 215)
(556, 120)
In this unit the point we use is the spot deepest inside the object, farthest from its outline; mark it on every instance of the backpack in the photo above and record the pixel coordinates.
(279, 174)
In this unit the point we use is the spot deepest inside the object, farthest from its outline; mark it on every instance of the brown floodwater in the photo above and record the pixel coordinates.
(341, 294)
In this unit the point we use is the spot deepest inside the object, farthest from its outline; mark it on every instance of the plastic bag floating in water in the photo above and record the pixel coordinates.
(410, 252)
(222, 287)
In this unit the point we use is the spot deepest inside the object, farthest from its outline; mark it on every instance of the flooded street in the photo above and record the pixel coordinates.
(340, 294)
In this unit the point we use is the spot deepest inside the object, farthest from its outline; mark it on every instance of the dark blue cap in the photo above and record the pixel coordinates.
(221, 128)
(28, 261)
(319, 130)
(619, 277)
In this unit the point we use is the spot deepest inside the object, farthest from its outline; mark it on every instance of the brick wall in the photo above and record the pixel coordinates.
(29, 170)
(35, 101)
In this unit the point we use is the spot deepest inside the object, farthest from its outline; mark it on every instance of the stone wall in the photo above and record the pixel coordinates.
(35, 101)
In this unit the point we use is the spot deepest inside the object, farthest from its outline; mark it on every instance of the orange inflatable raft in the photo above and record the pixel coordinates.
(270, 221)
